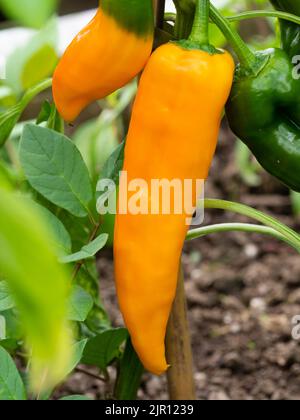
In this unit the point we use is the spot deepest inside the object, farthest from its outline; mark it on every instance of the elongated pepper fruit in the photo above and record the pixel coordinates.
(110, 51)
(172, 136)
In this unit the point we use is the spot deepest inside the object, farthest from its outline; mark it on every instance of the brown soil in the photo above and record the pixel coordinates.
(243, 291)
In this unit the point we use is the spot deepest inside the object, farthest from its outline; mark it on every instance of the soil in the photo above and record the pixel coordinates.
(242, 291)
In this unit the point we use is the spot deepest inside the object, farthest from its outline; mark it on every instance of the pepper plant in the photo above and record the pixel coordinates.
(52, 317)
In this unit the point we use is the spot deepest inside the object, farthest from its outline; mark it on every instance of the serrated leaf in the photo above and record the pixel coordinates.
(104, 348)
(11, 385)
(39, 285)
(88, 251)
(55, 168)
(80, 304)
(6, 299)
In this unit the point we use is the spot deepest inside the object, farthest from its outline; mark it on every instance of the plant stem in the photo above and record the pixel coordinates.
(233, 227)
(178, 348)
(35, 90)
(90, 374)
(160, 10)
(290, 236)
(200, 29)
(245, 55)
(264, 13)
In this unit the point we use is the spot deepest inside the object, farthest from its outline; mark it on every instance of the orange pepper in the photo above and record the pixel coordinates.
(172, 135)
(110, 51)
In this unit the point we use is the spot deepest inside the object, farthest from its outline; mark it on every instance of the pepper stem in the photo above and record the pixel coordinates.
(200, 30)
(245, 55)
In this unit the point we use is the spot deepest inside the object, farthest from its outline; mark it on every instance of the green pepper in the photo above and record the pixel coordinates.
(263, 111)
(264, 106)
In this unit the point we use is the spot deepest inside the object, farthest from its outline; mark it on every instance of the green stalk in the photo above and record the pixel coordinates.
(288, 235)
(183, 23)
(200, 30)
(245, 55)
(234, 227)
(253, 14)
(265, 13)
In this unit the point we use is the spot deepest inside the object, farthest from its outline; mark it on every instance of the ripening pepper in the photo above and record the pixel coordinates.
(263, 111)
(172, 136)
(110, 51)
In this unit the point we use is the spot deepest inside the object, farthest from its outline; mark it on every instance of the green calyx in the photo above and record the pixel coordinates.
(199, 37)
(192, 45)
(135, 16)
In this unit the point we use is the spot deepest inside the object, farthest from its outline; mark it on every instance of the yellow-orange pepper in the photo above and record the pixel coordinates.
(110, 51)
(172, 135)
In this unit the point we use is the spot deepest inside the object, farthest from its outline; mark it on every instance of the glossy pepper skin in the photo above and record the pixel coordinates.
(262, 110)
(110, 51)
(172, 135)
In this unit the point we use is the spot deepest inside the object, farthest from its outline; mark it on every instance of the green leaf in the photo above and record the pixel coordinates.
(62, 240)
(55, 168)
(33, 62)
(45, 113)
(2, 328)
(50, 115)
(32, 13)
(104, 348)
(75, 398)
(6, 300)
(11, 385)
(130, 374)
(39, 285)
(80, 305)
(88, 251)
(98, 138)
(9, 118)
(9, 344)
(78, 349)
(111, 171)
(114, 164)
